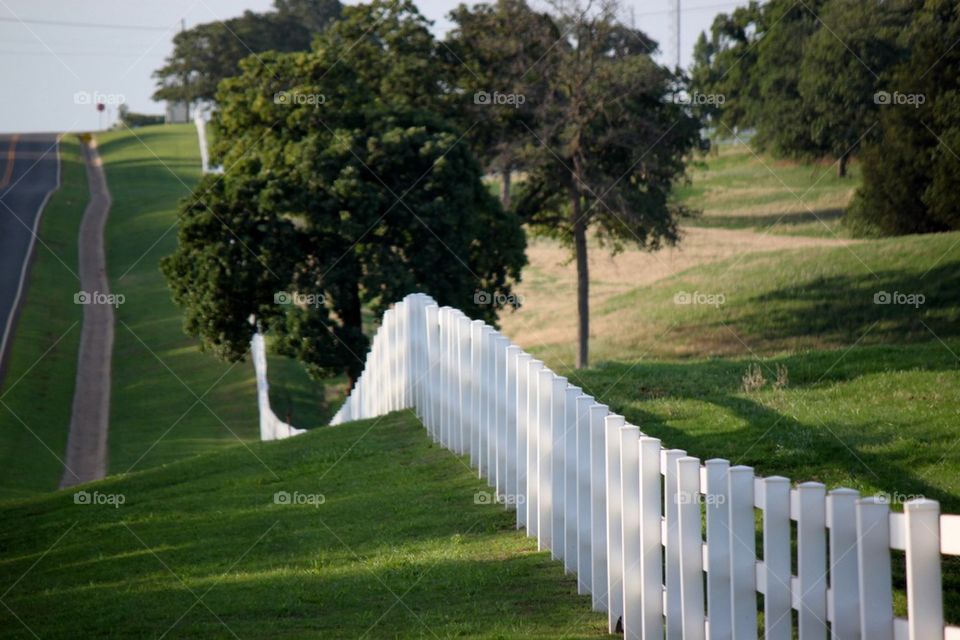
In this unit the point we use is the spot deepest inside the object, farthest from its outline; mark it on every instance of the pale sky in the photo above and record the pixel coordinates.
(51, 73)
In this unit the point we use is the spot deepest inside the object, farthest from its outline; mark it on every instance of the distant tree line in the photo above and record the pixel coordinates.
(353, 170)
(872, 79)
(207, 53)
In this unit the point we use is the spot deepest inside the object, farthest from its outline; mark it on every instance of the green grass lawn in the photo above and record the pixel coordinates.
(171, 400)
(398, 549)
(37, 392)
(738, 187)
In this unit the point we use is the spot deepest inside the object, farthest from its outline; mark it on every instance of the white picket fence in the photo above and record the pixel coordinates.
(271, 427)
(625, 514)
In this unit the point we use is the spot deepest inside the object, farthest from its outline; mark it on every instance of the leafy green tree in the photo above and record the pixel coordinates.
(844, 66)
(783, 119)
(499, 56)
(911, 173)
(341, 195)
(207, 53)
(613, 144)
(723, 65)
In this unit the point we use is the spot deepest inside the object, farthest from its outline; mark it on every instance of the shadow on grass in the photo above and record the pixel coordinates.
(727, 221)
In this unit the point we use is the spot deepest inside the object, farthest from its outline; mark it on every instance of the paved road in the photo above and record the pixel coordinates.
(90, 417)
(29, 173)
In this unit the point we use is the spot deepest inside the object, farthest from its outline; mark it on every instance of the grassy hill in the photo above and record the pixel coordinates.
(37, 392)
(737, 187)
(399, 547)
(171, 400)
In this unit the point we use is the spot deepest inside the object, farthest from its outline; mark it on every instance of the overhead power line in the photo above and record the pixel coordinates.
(91, 25)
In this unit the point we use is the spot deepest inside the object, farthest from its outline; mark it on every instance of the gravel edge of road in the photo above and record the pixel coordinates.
(86, 455)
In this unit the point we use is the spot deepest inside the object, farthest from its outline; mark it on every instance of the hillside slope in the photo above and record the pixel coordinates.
(398, 546)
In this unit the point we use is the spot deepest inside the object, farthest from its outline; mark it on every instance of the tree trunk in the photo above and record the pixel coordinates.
(583, 279)
(505, 187)
(842, 166)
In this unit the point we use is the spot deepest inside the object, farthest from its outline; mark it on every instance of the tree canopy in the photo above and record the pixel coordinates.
(344, 190)
(210, 52)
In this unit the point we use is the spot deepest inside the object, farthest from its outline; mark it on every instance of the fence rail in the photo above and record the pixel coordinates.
(642, 526)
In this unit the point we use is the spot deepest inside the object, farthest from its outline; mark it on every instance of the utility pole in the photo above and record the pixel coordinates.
(677, 31)
(185, 78)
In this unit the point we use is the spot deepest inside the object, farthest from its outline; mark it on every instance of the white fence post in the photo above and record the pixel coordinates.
(673, 611)
(570, 492)
(718, 549)
(501, 344)
(612, 425)
(876, 596)
(477, 398)
(510, 422)
(812, 560)
(433, 363)
(691, 548)
(544, 457)
(521, 417)
(557, 485)
(778, 598)
(584, 475)
(743, 554)
(924, 588)
(630, 532)
(598, 505)
(651, 532)
(844, 592)
(533, 457)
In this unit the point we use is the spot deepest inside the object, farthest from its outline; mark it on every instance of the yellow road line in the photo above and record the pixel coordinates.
(11, 155)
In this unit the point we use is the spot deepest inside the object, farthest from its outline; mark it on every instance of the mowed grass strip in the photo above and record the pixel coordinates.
(37, 392)
(737, 187)
(169, 399)
(400, 547)
(766, 303)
